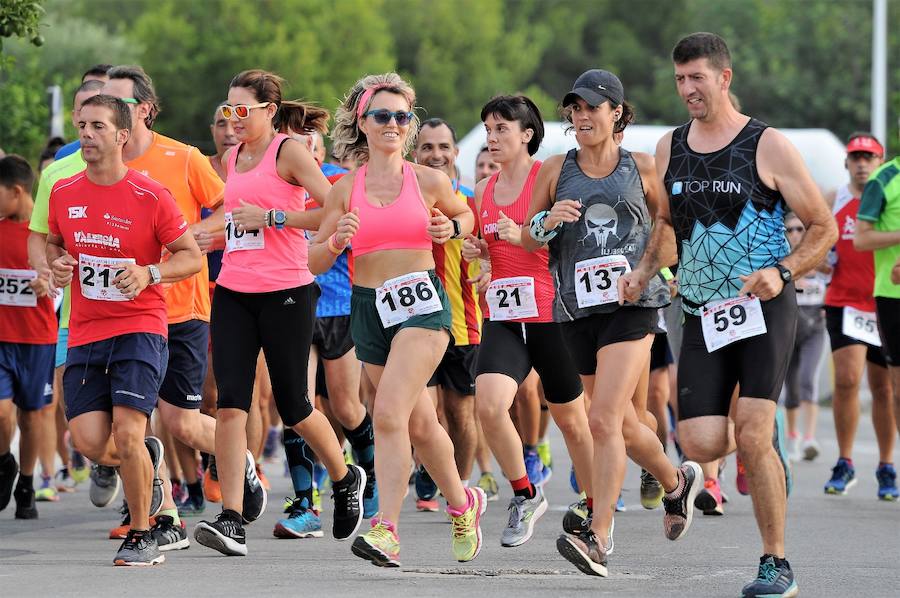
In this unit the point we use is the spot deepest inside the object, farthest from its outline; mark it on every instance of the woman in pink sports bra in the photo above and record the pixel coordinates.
(392, 210)
(265, 299)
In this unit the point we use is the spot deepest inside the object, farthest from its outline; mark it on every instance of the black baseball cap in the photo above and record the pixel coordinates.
(595, 87)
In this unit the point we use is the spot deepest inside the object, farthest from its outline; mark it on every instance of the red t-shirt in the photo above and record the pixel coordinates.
(23, 317)
(853, 279)
(102, 226)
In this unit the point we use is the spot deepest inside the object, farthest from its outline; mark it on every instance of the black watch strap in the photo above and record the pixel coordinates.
(786, 275)
(456, 228)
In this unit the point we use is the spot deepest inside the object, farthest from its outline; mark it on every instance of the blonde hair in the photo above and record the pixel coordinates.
(349, 140)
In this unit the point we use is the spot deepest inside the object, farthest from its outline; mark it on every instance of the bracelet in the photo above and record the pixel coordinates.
(537, 230)
(332, 246)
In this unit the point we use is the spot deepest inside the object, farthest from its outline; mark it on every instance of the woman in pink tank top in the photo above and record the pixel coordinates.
(392, 210)
(520, 333)
(266, 300)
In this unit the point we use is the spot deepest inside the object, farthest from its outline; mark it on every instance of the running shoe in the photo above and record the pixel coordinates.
(255, 496)
(317, 499)
(488, 483)
(538, 473)
(168, 535)
(26, 505)
(225, 534)
(740, 478)
(262, 477)
(380, 545)
(47, 491)
(583, 551)
(428, 506)
(620, 505)
(155, 448)
(179, 491)
(651, 491)
(211, 489)
(523, 514)
(64, 481)
(273, 440)
(810, 449)
(370, 496)
(301, 522)
(573, 481)
(543, 451)
(887, 482)
(466, 526)
(680, 507)
(779, 440)
(119, 532)
(577, 519)
(139, 549)
(105, 484)
(80, 474)
(709, 499)
(843, 477)
(348, 503)
(772, 580)
(426, 489)
(191, 506)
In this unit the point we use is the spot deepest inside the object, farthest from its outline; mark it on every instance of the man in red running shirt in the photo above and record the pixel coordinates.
(112, 223)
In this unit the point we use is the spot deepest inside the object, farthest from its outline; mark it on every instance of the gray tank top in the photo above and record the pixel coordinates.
(614, 221)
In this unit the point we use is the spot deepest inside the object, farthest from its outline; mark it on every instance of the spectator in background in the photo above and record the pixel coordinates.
(90, 85)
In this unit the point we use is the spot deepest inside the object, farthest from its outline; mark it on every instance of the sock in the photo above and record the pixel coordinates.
(204, 460)
(229, 514)
(529, 448)
(465, 483)
(173, 513)
(300, 464)
(590, 504)
(793, 435)
(25, 481)
(679, 488)
(347, 479)
(457, 511)
(362, 439)
(848, 460)
(195, 491)
(884, 464)
(522, 487)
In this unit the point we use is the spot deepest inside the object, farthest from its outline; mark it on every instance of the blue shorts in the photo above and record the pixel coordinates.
(26, 375)
(183, 383)
(62, 346)
(123, 371)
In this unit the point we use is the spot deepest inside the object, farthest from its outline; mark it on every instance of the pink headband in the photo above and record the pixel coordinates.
(366, 96)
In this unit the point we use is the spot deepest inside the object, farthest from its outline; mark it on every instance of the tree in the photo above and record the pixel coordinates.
(21, 18)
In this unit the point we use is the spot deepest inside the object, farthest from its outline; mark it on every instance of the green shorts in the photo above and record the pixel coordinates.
(372, 340)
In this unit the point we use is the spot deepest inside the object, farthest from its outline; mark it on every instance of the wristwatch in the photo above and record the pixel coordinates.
(786, 276)
(155, 276)
(279, 218)
(456, 228)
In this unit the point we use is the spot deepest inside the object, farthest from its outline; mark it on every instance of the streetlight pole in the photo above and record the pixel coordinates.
(879, 70)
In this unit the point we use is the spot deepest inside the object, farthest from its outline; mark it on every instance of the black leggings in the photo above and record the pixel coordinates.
(279, 322)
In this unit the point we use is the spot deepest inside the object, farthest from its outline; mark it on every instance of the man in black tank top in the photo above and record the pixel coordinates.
(729, 179)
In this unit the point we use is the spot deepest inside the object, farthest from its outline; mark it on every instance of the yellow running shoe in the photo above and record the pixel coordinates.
(380, 545)
(466, 526)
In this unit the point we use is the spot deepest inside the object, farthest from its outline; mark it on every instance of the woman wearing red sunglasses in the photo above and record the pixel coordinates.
(265, 299)
(393, 210)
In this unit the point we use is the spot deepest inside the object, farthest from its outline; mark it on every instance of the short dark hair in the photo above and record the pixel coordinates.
(703, 45)
(98, 70)
(521, 109)
(144, 91)
(434, 123)
(90, 85)
(856, 134)
(121, 117)
(15, 170)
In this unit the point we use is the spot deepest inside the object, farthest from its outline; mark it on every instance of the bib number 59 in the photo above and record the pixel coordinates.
(734, 316)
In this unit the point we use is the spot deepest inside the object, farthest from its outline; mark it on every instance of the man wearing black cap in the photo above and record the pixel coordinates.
(730, 179)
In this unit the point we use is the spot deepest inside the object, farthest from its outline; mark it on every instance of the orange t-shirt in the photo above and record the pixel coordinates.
(191, 179)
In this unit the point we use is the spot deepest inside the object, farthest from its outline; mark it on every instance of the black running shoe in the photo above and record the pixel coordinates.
(772, 580)
(8, 470)
(583, 551)
(348, 503)
(26, 506)
(168, 535)
(155, 448)
(255, 496)
(680, 508)
(139, 549)
(577, 519)
(225, 534)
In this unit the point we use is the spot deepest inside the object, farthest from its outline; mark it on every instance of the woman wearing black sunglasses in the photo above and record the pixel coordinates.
(265, 298)
(393, 210)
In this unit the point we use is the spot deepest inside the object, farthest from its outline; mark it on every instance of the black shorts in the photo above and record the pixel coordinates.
(586, 336)
(457, 370)
(513, 348)
(183, 384)
(758, 364)
(660, 353)
(321, 384)
(834, 322)
(331, 336)
(888, 310)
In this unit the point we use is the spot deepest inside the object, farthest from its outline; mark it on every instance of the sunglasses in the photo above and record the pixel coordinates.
(383, 117)
(795, 229)
(130, 100)
(241, 111)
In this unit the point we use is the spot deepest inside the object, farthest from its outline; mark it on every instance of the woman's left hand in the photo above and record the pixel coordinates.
(248, 217)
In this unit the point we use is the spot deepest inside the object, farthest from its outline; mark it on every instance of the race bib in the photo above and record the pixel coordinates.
(595, 279)
(14, 288)
(730, 320)
(97, 274)
(403, 297)
(813, 291)
(242, 240)
(861, 325)
(512, 298)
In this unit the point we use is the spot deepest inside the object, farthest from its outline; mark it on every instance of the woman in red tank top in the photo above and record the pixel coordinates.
(392, 210)
(520, 333)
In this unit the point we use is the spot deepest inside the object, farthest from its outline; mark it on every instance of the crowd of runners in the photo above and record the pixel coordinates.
(168, 318)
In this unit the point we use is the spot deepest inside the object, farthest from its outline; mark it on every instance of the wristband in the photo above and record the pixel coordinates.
(537, 230)
(332, 246)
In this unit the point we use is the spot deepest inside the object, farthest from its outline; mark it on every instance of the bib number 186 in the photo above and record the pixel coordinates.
(403, 297)
(407, 296)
